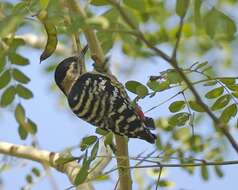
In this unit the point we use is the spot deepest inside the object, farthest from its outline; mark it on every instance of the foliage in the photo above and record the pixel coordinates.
(205, 27)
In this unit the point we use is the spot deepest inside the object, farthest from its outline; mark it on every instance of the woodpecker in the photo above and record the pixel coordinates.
(101, 100)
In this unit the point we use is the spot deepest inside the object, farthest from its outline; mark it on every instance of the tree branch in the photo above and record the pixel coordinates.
(161, 165)
(173, 62)
(47, 158)
(179, 33)
(138, 33)
(123, 162)
(101, 66)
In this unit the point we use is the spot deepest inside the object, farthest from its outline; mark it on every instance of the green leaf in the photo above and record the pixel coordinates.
(173, 76)
(5, 79)
(112, 15)
(29, 179)
(164, 85)
(176, 106)
(221, 102)
(154, 85)
(212, 154)
(22, 132)
(8, 24)
(98, 21)
(210, 83)
(31, 126)
(181, 133)
(141, 91)
(218, 171)
(101, 131)
(108, 139)
(196, 143)
(227, 26)
(20, 76)
(20, 114)
(87, 141)
(204, 172)
(197, 13)
(106, 40)
(83, 172)
(99, 2)
(138, 5)
(229, 112)
(159, 143)
(2, 61)
(102, 178)
(165, 183)
(182, 7)
(195, 106)
(18, 59)
(20, 8)
(23, 92)
(219, 24)
(16, 43)
(158, 86)
(235, 94)
(44, 4)
(210, 21)
(137, 88)
(8, 96)
(215, 93)
(200, 65)
(36, 172)
(64, 158)
(179, 119)
(94, 151)
(233, 87)
(228, 81)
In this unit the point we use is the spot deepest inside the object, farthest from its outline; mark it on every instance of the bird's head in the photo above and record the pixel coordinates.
(68, 71)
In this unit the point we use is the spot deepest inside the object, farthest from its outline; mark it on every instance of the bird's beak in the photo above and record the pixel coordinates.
(83, 52)
(80, 60)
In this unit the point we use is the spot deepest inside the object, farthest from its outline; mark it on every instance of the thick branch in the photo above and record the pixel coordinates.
(42, 156)
(47, 158)
(125, 180)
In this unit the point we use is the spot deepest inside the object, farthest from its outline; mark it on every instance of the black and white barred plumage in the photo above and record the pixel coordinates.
(100, 100)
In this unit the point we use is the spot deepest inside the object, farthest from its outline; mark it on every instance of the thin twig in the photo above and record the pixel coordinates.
(170, 98)
(179, 33)
(159, 176)
(191, 115)
(117, 183)
(206, 163)
(138, 33)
